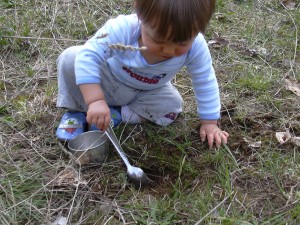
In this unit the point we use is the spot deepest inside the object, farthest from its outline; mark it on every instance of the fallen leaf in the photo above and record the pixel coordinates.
(283, 137)
(252, 143)
(60, 221)
(296, 141)
(68, 177)
(220, 16)
(255, 144)
(293, 86)
(284, 64)
(289, 4)
(251, 52)
(262, 51)
(218, 41)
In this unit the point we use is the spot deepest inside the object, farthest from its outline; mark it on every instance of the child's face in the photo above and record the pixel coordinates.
(160, 48)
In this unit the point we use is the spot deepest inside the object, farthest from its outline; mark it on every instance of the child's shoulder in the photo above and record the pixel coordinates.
(199, 41)
(200, 38)
(125, 24)
(129, 20)
(199, 47)
(121, 29)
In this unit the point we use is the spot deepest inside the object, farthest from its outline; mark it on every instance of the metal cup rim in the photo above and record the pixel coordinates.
(86, 133)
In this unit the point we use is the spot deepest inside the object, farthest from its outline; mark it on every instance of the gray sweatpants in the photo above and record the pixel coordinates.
(161, 105)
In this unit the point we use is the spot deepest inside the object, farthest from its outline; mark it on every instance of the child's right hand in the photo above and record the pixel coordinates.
(99, 114)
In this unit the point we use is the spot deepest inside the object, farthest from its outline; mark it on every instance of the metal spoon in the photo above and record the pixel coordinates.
(136, 174)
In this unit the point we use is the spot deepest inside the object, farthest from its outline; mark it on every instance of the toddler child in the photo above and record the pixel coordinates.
(124, 72)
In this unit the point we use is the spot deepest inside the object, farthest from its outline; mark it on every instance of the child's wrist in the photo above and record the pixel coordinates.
(94, 100)
(214, 122)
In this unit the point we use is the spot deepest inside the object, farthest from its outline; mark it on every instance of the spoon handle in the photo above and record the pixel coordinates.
(112, 137)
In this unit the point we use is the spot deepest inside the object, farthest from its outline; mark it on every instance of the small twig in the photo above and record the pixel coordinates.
(66, 151)
(296, 39)
(291, 193)
(127, 47)
(228, 113)
(214, 209)
(181, 213)
(113, 46)
(34, 147)
(36, 192)
(74, 197)
(108, 219)
(102, 36)
(119, 212)
(41, 38)
(82, 17)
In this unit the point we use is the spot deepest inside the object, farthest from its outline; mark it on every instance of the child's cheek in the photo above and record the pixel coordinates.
(154, 48)
(181, 51)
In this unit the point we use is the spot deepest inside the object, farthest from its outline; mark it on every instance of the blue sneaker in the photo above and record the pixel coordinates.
(115, 115)
(71, 125)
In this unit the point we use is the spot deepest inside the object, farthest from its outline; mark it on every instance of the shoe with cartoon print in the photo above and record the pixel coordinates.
(115, 115)
(71, 125)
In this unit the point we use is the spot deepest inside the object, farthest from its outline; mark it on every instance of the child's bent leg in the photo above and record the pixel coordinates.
(69, 95)
(129, 116)
(71, 125)
(161, 106)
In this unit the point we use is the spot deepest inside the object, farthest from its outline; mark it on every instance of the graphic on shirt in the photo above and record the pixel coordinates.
(160, 76)
(171, 116)
(144, 78)
(70, 125)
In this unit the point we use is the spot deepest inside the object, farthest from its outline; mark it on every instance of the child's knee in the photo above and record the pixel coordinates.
(167, 119)
(68, 55)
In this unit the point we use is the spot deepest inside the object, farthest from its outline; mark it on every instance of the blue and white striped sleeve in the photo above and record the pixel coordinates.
(204, 80)
(96, 51)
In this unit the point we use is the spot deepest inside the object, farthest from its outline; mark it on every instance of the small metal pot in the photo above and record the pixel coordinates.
(90, 147)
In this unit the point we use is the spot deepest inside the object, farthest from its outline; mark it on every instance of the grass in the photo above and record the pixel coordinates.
(235, 184)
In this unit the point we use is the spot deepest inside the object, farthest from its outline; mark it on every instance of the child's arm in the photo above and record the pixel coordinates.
(98, 111)
(210, 130)
(206, 90)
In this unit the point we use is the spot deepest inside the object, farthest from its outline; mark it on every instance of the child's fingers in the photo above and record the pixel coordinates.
(225, 134)
(210, 140)
(224, 137)
(106, 123)
(202, 135)
(100, 122)
(218, 139)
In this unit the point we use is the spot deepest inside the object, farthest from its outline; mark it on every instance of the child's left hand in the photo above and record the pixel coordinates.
(213, 134)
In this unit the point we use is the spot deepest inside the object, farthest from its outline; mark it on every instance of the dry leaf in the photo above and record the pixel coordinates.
(289, 4)
(60, 221)
(283, 137)
(293, 86)
(296, 141)
(68, 177)
(251, 52)
(220, 16)
(255, 144)
(252, 144)
(218, 41)
(262, 51)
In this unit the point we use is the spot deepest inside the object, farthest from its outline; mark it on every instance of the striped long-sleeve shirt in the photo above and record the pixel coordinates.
(131, 68)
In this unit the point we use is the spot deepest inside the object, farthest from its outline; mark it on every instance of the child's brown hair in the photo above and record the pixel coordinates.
(175, 20)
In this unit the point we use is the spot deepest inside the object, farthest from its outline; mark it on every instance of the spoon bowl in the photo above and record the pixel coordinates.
(136, 174)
